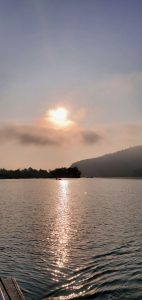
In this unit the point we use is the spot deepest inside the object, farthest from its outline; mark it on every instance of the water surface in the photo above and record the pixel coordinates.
(72, 238)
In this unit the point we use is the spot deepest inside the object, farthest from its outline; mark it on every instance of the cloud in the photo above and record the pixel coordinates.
(90, 136)
(27, 135)
(40, 136)
(116, 135)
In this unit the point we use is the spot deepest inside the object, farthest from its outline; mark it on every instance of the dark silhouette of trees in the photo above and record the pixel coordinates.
(65, 173)
(24, 173)
(33, 173)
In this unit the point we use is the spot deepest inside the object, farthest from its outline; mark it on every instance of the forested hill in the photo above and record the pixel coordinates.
(124, 163)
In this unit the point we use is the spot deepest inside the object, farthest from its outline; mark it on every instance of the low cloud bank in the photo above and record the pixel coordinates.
(40, 136)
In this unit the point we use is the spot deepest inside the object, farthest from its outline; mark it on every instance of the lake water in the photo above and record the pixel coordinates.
(72, 238)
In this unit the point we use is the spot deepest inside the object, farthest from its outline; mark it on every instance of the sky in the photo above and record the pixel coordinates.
(70, 80)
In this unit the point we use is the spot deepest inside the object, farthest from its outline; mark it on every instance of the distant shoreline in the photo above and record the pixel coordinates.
(30, 173)
(64, 178)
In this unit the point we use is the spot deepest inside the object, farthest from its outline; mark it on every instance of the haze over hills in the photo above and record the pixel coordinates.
(124, 163)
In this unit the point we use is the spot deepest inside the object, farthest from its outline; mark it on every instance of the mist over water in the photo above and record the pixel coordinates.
(72, 238)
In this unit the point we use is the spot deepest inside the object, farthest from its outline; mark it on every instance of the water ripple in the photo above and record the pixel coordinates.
(72, 239)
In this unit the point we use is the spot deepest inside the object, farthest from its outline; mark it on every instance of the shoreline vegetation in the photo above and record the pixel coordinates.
(72, 172)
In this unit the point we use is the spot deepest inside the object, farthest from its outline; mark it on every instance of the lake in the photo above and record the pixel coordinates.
(72, 238)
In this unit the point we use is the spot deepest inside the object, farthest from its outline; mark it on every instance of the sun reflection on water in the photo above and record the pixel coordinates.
(62, 224)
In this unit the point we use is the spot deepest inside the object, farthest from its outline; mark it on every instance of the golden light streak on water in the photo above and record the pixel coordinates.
(62, 224)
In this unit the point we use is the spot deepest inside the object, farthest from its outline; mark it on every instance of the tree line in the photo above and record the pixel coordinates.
(72, 172)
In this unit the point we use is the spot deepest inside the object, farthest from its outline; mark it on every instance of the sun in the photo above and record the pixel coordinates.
(58, 117)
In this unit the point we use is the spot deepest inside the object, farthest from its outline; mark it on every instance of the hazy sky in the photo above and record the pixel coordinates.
(81, 55)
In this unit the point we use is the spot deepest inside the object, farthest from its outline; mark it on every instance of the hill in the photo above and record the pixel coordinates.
(124, 163)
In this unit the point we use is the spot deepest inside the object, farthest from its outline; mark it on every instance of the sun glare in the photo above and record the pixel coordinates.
(58, 116)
